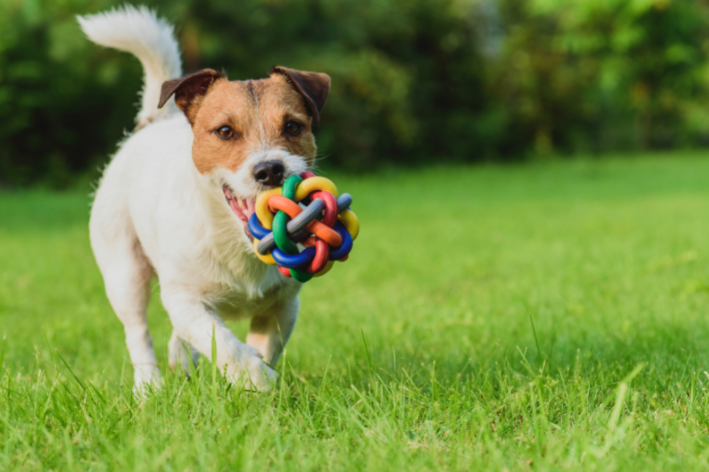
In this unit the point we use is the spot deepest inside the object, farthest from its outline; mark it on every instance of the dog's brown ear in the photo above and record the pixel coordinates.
(187, 88)
(313, 86)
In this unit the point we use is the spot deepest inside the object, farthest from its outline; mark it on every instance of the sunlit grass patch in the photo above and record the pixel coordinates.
(547, 316)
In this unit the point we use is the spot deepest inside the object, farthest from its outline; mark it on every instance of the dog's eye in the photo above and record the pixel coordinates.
(225, 132)
(293, 128)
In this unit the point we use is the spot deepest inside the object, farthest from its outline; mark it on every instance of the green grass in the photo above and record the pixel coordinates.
(550, 316)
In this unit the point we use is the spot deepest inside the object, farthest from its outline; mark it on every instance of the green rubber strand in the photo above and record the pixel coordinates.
(280, 233)
(300, 276)
(290, 186)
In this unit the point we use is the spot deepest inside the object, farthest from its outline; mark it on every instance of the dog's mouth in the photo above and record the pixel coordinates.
(243, 208)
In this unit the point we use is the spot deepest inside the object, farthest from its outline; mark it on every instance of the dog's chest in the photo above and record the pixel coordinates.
(243, 288)
(237, 301)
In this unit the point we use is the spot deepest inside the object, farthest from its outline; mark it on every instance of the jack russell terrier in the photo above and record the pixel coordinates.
(175, 200)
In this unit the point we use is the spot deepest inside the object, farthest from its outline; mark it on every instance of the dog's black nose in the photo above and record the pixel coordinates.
(269, 173)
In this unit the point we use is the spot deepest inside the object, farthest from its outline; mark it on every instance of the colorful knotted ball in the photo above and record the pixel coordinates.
(306, 211)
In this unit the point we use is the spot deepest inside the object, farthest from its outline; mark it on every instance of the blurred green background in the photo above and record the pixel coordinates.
(413, 80)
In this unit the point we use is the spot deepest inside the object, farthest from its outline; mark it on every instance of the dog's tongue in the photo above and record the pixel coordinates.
(238, 211)
(243, 208)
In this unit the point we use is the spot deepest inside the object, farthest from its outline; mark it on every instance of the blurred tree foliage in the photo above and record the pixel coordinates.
(413, 80)
(597, 75)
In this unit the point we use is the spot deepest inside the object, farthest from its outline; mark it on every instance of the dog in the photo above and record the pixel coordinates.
(174, 202)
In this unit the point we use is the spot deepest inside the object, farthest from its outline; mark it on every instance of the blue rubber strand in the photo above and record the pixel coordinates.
(338, 253)
(294, 261)
(255, 228)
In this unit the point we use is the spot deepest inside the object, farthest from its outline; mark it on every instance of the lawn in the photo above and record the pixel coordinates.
(546, 316)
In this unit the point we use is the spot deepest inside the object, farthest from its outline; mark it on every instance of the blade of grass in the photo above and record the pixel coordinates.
(214, 358)
(621, 391)
(72, 372)
(366, 353)
(2, 355)
(534, 332)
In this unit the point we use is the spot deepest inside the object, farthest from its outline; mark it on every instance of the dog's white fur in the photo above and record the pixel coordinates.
(155, 214)
(151, 40)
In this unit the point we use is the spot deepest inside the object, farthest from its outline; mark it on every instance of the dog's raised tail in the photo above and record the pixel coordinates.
(151, 39)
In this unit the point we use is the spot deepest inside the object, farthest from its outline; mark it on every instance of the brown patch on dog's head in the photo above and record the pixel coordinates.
(232, 119)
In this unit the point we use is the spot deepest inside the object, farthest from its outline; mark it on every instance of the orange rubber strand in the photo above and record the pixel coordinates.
(278, 203)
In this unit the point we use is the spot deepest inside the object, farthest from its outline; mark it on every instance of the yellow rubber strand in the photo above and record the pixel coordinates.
(263, 214)
(326, 269)
(313, 184)
(349, 219)
(268, 258)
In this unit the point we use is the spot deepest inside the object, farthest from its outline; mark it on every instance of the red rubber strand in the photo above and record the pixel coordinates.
(330, 207)
(322, 254)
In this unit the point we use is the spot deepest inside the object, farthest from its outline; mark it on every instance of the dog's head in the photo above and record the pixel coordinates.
(250, 136)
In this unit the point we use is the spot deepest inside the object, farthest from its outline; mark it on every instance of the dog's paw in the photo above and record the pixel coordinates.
(262, 377)
(146, 379)
(253, 373)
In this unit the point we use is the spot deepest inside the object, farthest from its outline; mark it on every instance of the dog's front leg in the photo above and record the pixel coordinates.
(271, 330)
(195, 323)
